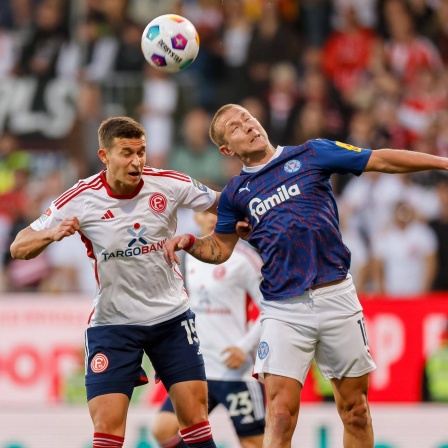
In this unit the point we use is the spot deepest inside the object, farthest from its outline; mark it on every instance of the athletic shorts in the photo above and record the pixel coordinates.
(326, 324)
(114, 355)
(244, 401)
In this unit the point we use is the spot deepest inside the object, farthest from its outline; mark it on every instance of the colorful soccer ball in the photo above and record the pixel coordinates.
(170, 43)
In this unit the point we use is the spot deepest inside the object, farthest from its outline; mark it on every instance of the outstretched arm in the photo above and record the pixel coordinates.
(215, 248)
(401, 161)
(30, 243)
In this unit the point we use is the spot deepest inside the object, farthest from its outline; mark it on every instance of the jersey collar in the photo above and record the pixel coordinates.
(120, 196)
(254, 169)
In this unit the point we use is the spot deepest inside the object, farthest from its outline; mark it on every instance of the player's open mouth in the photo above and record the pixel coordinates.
(134, 174)
(255, 138)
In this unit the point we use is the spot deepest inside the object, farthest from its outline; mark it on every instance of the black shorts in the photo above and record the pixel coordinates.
(114, 355)
(244, 400)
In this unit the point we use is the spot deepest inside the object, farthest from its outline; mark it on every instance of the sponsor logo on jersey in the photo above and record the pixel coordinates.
(292, 166)
(134, 248)
(198, 185)
(45, 215)
(157, 202)
(137, 234)
(258, 207)
(263, 350)
(246, 188)
(99, 363)
(349, 147)
(108, 215)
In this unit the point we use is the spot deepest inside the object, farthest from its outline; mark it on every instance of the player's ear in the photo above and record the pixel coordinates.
(226, 151)
(102, 154)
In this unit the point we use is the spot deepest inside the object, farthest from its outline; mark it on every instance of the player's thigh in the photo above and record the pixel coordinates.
(343, 348)
(189, 399)
(245, 403)
(350, 391)
(285, 348)
(176, 355)
(283, 394)
(108, 413)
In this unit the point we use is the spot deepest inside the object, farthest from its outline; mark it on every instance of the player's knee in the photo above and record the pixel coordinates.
(356, 415)
(281, 419)
(165, 426)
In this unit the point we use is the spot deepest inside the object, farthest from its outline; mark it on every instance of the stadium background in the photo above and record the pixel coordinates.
(369, 73)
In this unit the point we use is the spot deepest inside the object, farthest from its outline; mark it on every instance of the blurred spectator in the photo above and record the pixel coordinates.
(347, 52)
(440, 227)
(315, 20)
(282, 99)
(406, 51)
(158, 109)
(195, 154)
(272, 41)
(435, 374)
(404, 253)
(8, 52)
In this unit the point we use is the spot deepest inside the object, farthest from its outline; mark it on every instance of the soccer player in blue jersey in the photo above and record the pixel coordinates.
(310, 307)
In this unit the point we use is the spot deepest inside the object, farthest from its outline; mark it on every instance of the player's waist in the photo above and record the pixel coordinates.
(324, 285)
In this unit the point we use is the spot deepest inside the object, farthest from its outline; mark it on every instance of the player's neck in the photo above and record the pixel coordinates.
(257, 159)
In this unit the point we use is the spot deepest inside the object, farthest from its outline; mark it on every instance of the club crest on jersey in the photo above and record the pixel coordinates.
(198, 185)
(99, 363)
(258, 207)
(263, 350)
(292, 166)
(157, 202)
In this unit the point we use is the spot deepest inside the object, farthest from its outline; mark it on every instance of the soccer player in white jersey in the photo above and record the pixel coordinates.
(219, 298)
(310, 307)
(124, 215)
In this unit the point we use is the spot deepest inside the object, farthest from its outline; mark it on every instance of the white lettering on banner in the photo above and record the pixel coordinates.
(388, 342)
(259, 207)
(16, 102)
(433, 327)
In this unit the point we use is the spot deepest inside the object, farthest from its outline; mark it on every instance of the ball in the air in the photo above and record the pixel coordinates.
(170, 43)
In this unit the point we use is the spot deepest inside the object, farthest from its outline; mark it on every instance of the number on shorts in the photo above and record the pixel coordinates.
(190, 330)
(240, 403)
(362, 327)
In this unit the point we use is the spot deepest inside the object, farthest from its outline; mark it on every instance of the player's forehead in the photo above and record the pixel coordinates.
(233, 115)
(130, 143)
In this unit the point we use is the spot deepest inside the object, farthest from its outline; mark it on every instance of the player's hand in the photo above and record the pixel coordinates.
(174, 244)
(243, 229)
(67, 227)
(235, 357)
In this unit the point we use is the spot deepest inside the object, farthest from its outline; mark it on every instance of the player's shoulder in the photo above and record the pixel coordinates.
(81, 188)
(165, 175)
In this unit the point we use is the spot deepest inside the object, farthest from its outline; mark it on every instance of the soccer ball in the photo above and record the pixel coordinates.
(170, 43)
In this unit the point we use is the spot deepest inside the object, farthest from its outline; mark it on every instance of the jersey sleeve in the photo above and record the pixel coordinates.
(195, 195)
(227, 215)
(338, 157)
(50, 218)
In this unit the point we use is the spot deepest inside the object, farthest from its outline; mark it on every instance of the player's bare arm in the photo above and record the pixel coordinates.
(215, 248)
(402, 161)
(30, 243)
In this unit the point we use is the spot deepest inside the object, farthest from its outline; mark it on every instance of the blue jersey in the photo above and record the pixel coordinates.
(293, 213)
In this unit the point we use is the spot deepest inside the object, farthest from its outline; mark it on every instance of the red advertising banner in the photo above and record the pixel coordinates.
(42, 339)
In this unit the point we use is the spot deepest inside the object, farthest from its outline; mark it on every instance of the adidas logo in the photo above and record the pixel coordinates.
(108, 215)
(247, 419)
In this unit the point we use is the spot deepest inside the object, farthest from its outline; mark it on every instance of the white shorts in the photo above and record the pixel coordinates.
(326, 324)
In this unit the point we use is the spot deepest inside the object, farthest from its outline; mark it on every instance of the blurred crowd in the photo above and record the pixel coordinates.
(371, 73)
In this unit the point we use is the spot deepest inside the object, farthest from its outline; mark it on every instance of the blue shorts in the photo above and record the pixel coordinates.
(114, 355)
(245, 402)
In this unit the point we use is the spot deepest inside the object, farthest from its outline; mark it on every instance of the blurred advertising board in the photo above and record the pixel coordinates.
(42, 343)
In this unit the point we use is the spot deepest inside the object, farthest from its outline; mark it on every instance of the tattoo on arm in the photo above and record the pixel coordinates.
(206, 249)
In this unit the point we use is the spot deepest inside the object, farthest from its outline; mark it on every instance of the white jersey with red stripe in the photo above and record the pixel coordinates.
(219, 297)
(124, 236)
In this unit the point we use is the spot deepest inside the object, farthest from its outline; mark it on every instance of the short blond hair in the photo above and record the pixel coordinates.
(217, 133)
